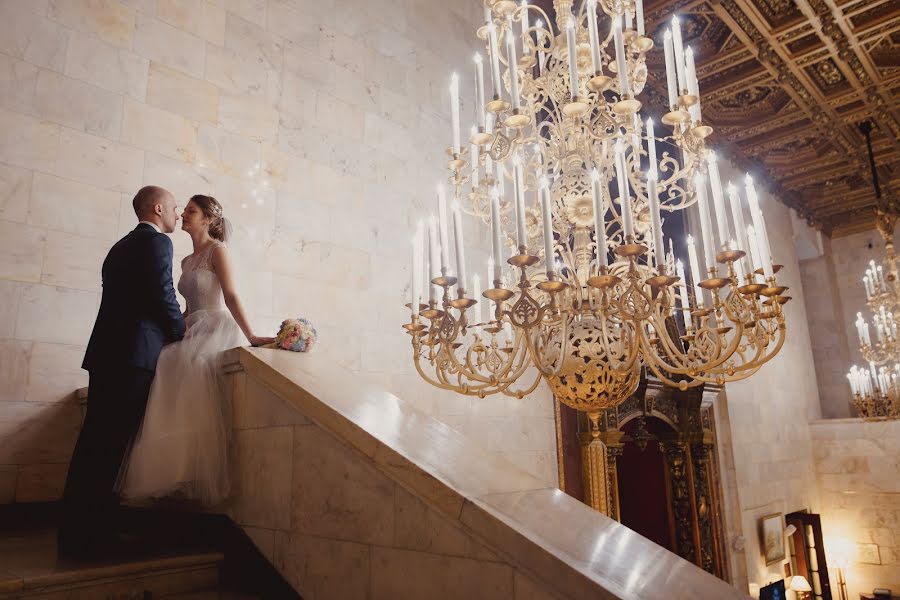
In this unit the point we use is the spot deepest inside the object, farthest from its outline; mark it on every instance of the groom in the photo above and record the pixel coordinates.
(139, 314)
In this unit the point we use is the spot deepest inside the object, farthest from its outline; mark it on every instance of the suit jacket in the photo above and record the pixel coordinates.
(139, 313)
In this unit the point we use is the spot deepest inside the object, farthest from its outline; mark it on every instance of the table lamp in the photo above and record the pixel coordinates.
(800, 585)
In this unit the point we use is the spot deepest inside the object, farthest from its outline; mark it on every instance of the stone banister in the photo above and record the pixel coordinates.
(523, 539)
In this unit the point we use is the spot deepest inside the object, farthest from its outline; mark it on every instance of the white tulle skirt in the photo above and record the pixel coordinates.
(181, 449)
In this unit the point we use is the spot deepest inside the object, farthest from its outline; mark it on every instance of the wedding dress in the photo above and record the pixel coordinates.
(182, 446)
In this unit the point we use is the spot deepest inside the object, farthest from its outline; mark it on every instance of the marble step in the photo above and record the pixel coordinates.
(30, 568)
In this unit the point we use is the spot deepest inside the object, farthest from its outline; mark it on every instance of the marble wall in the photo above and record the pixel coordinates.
(768, 414)
(858, 472)
(319, 125)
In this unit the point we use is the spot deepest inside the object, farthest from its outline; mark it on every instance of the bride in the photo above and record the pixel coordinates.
(181, 448)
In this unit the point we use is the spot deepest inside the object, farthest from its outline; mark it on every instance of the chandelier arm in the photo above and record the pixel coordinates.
(519, 394)
(539, 360)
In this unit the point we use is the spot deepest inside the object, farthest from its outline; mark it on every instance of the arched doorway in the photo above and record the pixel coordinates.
(644, 500)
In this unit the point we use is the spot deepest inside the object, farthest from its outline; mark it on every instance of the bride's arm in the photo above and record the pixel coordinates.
(221, 262)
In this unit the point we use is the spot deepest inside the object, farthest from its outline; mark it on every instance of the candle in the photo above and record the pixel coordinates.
(709, 252)
(521, 238)
(651, 150)
(454, 111)
(737, 213)
(495, 234)
(416, 284)
(548, 227)
(738, 264)
(624, 193)
(433, 251)
(760, 226)
(573, 58)
(685, 304)
(476, 295)
(671, 81)
(599, 220)
(487, 14)
(513, 66)
(882, 287)
(541, 56)
(659, 248)
(639, 16)
(442, 223)
(678, 47)
(715, 182)
(594, 36)
(754, 249)
(476, 163)
(479, 91)
(695, 271)
(525, 26)
(621, 67)
(866, 285)
(692, 85)
(460, 247)
(495, 61)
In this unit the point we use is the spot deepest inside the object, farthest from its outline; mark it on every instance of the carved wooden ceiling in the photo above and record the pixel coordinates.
(785, 84)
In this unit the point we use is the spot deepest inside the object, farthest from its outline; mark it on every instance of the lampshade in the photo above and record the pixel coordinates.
(800, 584)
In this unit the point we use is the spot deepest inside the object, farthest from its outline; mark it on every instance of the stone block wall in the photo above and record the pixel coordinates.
(320, 125)
(858, 470)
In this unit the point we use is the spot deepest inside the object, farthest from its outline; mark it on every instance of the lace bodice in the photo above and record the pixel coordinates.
(198, 283)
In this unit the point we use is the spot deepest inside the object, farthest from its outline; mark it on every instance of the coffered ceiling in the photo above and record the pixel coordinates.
(785, 84)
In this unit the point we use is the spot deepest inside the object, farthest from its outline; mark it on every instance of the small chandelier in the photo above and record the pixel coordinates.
(564, 127)
(876, 392)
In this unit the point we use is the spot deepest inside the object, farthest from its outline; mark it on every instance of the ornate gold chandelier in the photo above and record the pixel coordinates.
(876, 391)
(563, 126)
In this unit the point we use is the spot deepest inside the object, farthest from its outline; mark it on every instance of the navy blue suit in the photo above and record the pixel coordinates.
(139, 314)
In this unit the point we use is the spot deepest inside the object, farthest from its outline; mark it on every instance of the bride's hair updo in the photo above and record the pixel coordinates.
(219, 227)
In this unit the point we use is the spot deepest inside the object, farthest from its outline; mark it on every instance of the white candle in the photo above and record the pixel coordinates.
(525, 26)
(737, 213)
(495, 61)
(866, 285)
(715, 182)
(671, 80)
(709, 252)
(639, 16)
(573, 57)
(476, 162)
(624, 193)
(882, 286)
(599, 219)
(548, 227)
(685, 303)
(754, 249)
(442, 223)
(594, 36)
(678, 47)
(692, 85)
(659, 248)
(760, 226)
(541, 56)
(433, 251)
(487, 14)
(738, 264)
(695, 271)
(460, 247)
(651, 150)
(454, 111)
(479, 91)
(521, 238)
(495, 233)
(513, 66)
(416, 284)
(621, 66)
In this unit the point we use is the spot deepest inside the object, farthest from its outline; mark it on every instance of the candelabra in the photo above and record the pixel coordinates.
(564, 125)
(876, 392)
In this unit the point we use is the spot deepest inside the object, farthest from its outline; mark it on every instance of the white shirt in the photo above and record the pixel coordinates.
(153, 225)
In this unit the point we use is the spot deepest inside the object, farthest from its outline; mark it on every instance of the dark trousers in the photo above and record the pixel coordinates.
(115, 408)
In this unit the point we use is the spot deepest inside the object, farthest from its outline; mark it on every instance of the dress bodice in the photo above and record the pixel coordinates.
(199, 283)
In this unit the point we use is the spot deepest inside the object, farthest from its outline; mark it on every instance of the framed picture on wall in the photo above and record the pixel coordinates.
(772, 532)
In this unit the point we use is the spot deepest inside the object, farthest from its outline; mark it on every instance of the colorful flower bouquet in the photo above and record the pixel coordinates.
(296, 335)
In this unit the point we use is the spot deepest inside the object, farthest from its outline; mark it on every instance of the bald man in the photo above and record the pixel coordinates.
(139, 314)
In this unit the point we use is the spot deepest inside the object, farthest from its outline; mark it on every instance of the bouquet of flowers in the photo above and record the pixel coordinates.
(296, 335)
